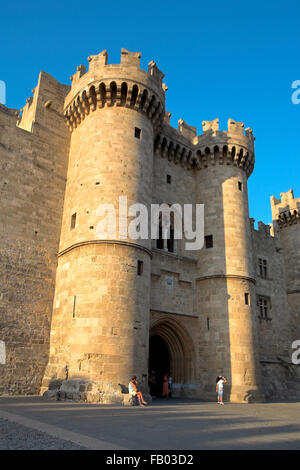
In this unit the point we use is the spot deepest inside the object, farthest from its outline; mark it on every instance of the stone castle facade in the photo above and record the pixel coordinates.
(77, 311)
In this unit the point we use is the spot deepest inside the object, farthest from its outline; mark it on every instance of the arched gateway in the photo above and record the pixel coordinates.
(171, 350)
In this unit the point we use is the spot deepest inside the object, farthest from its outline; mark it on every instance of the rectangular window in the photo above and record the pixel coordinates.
(246, 299)
(240, 186)
(139, 268)
(263, 304)
(137, 133)
(209, 243)
(263, 268)
(73, 221)
(169, 179)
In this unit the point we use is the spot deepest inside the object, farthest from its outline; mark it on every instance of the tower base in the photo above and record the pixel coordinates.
(90, 392)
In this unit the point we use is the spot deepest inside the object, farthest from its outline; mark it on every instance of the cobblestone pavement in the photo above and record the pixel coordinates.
(14, 436)
(175, 424)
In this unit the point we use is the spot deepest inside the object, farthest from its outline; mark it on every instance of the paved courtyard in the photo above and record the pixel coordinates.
(177, 424)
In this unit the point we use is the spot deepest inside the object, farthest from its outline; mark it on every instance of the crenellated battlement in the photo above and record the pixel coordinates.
(127, 85)
(263, 230)
(176, 145)
(232, 147)
(183, 146)
(286, 210)
(124, 84)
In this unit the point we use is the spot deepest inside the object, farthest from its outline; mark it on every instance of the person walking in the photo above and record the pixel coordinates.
(220, 381)
(133, 390)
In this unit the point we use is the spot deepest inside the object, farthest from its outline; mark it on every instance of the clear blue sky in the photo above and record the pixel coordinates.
(226, 59)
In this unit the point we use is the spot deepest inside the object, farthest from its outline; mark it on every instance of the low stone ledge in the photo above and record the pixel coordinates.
(91, 392)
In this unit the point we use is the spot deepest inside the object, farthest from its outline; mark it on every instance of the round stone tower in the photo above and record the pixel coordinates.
(225, 282)
(100, 323)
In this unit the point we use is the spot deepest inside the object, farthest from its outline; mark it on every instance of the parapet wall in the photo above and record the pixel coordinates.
(124, 84)
(232, 147)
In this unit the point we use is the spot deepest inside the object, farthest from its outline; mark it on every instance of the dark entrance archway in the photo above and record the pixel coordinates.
(159, 363)
(171, 350)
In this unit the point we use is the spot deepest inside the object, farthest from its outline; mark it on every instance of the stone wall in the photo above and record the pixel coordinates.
(286, 223)
(32, 178)
(275, 331)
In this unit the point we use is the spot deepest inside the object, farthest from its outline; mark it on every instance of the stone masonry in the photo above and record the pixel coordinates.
(80, 314)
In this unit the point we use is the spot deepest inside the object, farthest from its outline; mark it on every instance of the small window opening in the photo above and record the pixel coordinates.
(97, 183)
(73, 221)
(139, 268)
(247, 299)
(137, 133)
(209, 241)
(208, 325)
(169, 179)
(240, 186)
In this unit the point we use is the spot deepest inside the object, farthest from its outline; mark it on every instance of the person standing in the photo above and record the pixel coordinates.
(165, 392)
(170, 382)
(219, 388)
(152, 384)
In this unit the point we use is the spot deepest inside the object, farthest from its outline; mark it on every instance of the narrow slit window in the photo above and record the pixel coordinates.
(246, 299)
(169, 179)
(240, 186)
(73, 222)
(137, 132)
(74, 305)
(139, 268)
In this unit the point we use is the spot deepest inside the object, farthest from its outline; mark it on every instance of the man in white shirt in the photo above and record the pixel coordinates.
(219, 388)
